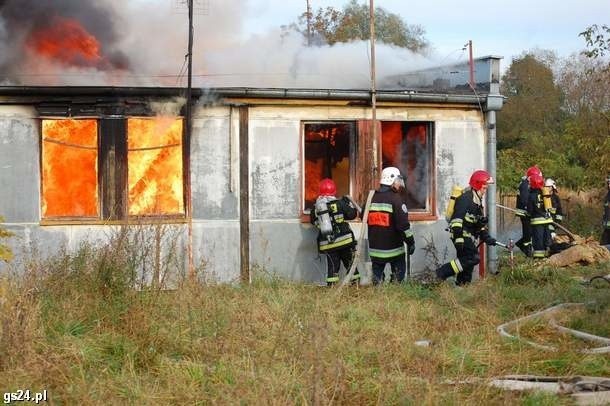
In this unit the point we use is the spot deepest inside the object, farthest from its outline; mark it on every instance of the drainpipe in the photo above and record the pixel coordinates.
(493, 103)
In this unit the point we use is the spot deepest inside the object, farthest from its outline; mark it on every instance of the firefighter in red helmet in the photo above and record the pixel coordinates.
(525, 242)
(540, 218)
(466, 225)
(335, 237)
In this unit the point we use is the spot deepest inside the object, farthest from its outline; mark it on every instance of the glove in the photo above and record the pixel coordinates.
(410, 249)
(484, 220)
(553, 236)
(490, 241)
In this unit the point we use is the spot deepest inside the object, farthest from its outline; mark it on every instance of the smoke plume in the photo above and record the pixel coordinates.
(144, 43)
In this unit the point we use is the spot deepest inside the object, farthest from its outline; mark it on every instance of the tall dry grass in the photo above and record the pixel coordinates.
(75, 326)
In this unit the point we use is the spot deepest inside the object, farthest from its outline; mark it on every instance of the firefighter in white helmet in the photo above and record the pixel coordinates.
(555, 209)
(389, 228)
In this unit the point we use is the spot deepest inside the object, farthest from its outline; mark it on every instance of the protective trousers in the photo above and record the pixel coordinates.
(333, 264)
(541, 235)
(398, 266)
(525, 242)
(461, 268)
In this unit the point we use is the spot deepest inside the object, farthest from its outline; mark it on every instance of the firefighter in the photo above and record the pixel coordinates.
(389, 228)
(467, 224)
(335, 237)
(555, 210)
(605, 239)
(540, 218)
(525, 242)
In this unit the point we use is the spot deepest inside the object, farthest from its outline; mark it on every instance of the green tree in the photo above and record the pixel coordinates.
(330, 26)
(534, 100)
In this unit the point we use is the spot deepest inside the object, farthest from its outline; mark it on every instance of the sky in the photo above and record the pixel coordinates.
(503, 27)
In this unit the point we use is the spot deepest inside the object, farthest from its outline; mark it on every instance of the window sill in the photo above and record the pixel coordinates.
(97, 222)
(412, 217)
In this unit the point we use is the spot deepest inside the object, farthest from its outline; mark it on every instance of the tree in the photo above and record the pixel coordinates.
(330, 26)
(597, 39)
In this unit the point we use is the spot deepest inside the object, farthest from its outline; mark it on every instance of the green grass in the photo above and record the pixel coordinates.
(78, 330)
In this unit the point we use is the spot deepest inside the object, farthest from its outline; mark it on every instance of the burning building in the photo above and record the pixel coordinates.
(78, 159)
(237, 187)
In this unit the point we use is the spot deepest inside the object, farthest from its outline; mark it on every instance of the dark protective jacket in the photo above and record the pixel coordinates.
(388, 225)
(522, 197)
(340, 211)
(468, 220)
(535, 209)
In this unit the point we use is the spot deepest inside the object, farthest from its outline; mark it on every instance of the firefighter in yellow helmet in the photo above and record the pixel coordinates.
(466, 225)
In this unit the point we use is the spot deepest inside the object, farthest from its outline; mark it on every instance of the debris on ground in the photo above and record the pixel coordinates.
(585, 390)
(585, 251)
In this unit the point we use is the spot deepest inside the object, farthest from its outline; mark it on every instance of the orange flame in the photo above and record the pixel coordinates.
(154, 161)
(65, 40)
(69, 164)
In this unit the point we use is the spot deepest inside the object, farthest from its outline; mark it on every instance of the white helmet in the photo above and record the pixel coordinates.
(550, 182)
(389, 175)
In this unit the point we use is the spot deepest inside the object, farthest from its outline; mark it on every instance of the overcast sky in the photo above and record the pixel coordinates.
(502, 27)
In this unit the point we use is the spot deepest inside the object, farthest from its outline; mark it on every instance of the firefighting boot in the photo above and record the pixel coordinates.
(355, 279)
(450, 269)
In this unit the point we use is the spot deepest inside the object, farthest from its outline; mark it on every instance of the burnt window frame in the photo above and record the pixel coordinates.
(360, 161)
(112, 166)
(353, 152)
(429, 213)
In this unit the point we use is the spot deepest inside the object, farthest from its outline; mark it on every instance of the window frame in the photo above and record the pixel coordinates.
(353, 153)
(112, 172)
(360, 140)
(429, 214)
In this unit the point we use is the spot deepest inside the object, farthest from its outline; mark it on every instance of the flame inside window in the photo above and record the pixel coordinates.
(327, 155)
(69, 168)
(154, 162)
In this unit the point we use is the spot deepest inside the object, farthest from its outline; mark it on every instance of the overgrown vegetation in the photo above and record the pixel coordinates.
(74, 325)
(557, 116)
(5, 252)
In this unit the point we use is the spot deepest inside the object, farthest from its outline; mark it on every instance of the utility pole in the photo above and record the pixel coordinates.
(373, 91)
(470, 65)
(186, 146)
(308, 24)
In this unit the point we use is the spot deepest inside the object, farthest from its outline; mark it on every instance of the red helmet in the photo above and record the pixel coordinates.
(480, 178)
(533, 170)
(536, 181)
(327, 187)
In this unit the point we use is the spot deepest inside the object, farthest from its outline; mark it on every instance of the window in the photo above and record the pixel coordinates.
(69, 168)
(343, 151)
(154, 162)
(112, 168)
(329, 152)
(408, 146)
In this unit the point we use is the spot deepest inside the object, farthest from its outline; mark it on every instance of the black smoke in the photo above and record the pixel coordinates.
(19, 17)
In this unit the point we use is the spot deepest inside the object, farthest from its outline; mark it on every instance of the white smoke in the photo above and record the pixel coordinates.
(153, 36)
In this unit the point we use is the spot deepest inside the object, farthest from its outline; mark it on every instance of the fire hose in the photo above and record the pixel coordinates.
(568, 232)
